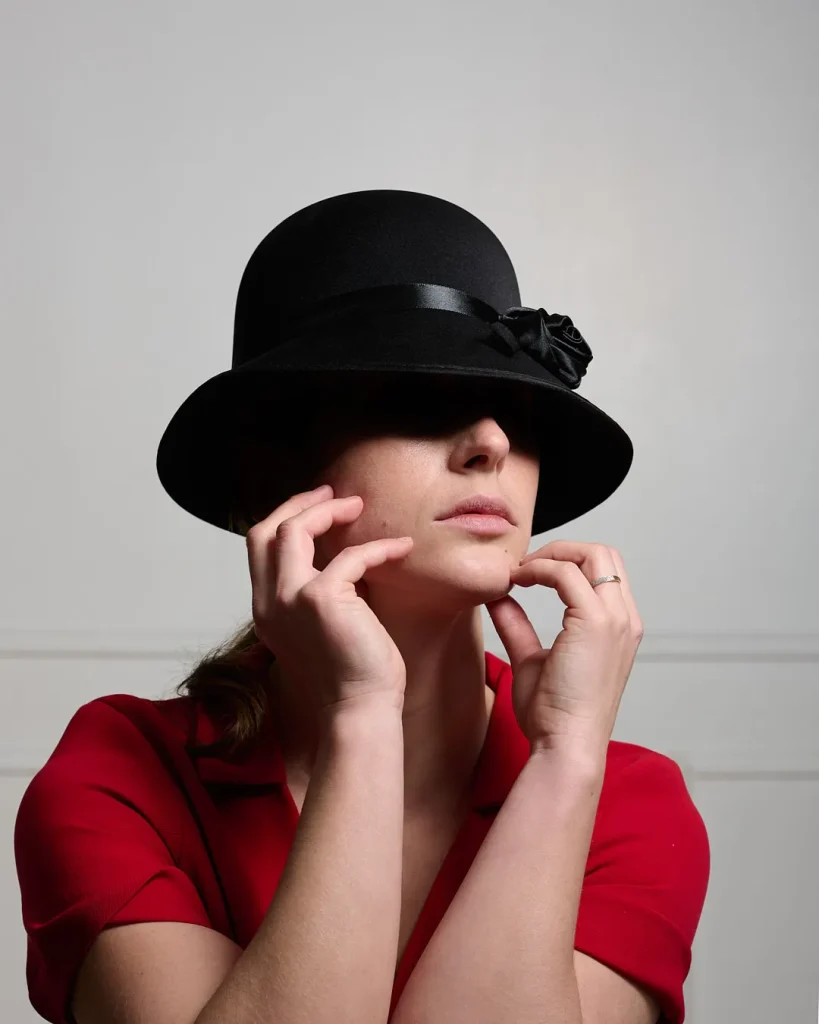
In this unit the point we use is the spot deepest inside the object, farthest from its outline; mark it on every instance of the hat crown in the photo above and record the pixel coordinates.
(360, 240)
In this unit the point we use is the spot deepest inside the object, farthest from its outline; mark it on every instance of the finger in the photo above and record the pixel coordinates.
(294, 504)
(290, 564)
(566, 578)
(349, 565)
(262, 534)
(595, 560)
(516, 632)
(295, 550)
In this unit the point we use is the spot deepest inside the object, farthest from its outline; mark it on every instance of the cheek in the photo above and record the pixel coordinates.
(349, 535)
(390, 486)
(373, 523)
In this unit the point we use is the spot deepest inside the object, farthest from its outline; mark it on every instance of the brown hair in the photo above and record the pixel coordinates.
(228, 682)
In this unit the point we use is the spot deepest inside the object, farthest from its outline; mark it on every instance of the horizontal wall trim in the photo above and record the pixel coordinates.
(24, 765)
(762, 775)
(163, 645)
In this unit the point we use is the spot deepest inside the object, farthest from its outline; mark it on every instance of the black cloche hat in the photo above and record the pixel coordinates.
(401, 281)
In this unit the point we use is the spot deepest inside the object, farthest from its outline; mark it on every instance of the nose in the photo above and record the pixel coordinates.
(484, 443)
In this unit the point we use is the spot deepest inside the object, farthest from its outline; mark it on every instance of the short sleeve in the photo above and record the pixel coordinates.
(89, 852)
(646, 879)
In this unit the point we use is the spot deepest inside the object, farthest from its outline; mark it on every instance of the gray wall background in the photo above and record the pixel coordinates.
(652, 169)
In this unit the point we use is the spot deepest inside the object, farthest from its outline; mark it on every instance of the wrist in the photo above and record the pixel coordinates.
(583, 762)
(361, 718)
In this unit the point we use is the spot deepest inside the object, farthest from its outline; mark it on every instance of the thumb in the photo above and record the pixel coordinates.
(516, 632)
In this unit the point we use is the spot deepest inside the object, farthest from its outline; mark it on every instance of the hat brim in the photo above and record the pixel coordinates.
(585, 454)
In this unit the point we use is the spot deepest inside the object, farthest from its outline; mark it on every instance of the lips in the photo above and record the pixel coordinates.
(480, 504)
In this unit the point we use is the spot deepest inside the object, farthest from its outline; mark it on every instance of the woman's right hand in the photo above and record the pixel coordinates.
(323, 632)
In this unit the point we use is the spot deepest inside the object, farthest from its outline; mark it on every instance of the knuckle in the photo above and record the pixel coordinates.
(611, 621)
(622, 622)
(311, 593)
(260, 612)
(286, 527)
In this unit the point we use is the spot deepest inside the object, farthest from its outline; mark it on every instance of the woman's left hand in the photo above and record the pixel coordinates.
(566, 697)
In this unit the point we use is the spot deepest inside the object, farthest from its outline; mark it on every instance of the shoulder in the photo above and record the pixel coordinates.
(631, 768)
(102, 829)
(636, 774)
(629, 765)
(118, 713)
(103, 804)
(622, 756)
(112, 727)
(646, 876)
(645, 805)
(110, 746)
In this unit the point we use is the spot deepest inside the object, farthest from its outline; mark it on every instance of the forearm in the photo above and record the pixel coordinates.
(504, 950)
(326, 949)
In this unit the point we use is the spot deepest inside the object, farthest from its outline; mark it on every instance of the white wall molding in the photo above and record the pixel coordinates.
(159, 645)
(24, 762)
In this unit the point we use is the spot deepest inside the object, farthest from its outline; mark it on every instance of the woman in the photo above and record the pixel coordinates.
(355, 812)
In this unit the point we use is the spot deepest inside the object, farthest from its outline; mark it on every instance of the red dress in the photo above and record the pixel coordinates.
(123, 825)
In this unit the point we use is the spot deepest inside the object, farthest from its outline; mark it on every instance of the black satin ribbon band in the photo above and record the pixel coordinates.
(549, 338)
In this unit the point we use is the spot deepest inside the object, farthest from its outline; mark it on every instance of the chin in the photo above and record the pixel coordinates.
(458, 577)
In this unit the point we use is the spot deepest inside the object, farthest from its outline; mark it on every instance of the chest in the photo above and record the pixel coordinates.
(425, 848)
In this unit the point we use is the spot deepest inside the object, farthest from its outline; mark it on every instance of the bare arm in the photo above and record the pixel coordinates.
(504, 950)
(326, 949)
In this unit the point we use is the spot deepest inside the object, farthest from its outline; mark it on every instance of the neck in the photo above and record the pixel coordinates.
(447, 705)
